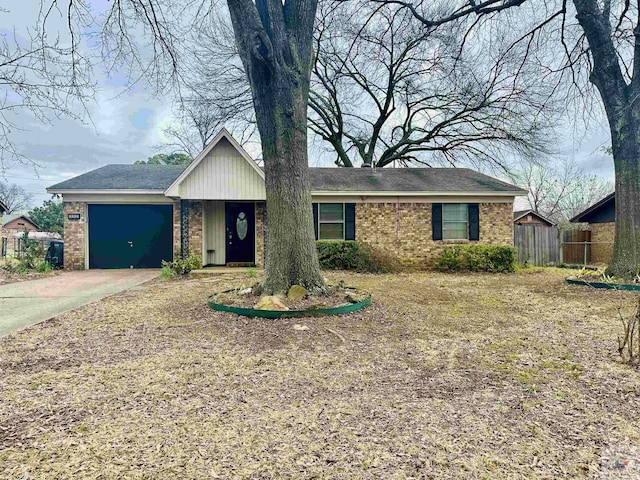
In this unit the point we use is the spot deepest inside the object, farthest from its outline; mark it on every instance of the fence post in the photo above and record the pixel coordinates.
(585, 253)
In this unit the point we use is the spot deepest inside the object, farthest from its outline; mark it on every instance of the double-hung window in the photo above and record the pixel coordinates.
(331, 221)
(455, 221)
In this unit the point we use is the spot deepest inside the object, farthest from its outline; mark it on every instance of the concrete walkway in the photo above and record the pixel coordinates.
(26, 303)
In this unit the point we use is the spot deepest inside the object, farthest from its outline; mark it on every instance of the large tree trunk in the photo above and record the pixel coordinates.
(274, 41)
(291, 256)
(623, 113)
(625, 135)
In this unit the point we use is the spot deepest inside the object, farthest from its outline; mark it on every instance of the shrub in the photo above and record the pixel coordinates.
(477, 258)
(350, 255)
(13, 266)
(180, 266)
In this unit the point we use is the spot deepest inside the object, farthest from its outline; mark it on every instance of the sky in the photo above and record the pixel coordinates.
(125, 125)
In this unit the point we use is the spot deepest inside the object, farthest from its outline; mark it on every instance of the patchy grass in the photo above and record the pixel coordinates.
(446, 376)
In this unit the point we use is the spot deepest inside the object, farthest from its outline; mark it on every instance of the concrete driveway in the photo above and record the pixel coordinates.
(26, 303)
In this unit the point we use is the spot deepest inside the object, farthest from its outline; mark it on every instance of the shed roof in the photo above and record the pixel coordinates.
(517, 215)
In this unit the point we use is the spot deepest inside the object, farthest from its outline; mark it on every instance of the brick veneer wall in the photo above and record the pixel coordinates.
(176, 229)
(195, 229)
(261, 213)
(74, 231)
(404, 229)
(602, 236)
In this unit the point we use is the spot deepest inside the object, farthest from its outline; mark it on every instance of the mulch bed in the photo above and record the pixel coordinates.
(335, 297)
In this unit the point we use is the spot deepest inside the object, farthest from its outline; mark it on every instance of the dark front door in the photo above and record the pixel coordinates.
(240, 228)
(130, 236)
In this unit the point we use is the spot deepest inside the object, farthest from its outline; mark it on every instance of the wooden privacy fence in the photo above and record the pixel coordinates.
(537, 244)
(542, 245)
(576, 246)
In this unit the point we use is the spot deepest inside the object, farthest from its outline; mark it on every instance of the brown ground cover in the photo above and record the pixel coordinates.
(445, 376)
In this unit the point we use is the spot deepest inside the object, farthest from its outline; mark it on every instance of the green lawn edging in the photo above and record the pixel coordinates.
(312, 312)
(609, 286)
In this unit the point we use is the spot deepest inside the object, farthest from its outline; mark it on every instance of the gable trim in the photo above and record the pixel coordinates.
(172, 190)
(531, 212)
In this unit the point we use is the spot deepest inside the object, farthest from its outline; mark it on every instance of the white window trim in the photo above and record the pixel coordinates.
(343, 221)
(466, 222)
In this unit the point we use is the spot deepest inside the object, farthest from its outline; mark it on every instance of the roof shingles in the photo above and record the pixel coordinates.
(159, 177)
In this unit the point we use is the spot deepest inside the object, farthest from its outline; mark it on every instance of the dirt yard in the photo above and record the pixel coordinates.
(446, 376)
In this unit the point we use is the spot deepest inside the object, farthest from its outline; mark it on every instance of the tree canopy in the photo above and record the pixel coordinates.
(49, 216)
(166, 159)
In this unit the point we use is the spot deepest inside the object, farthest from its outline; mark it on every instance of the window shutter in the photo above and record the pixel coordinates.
(436, 221)
(350, 221)
(474, 221)
(315, 219)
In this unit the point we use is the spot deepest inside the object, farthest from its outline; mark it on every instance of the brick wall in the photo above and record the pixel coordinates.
(602, 236)
(74, 236)
(176, 229)
(260, 233)
(404, 229)
(195, 229)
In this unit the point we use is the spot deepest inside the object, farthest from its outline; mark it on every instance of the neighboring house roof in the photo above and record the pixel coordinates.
(6, 219)
(3, 208)
(157, 178)
(597, 208)
(522, 213)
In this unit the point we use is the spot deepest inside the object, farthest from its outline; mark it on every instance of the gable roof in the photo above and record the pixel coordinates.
(3, 208)
(172, 190)
(120, 177)
(11, 217)
(517, 215)
(583, 216)
(167, 179)
(329, 181)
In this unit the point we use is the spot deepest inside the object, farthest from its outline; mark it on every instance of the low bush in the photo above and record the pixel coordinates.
(351, 255)
(477, 258)
(180, 266)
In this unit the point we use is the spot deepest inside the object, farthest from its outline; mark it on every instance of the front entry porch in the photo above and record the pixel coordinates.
(224, 233)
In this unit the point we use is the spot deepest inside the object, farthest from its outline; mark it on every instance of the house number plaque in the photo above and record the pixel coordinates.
(73, 216)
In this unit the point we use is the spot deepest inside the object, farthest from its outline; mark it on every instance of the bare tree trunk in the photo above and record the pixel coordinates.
(291, 256)
(622, 106)
(274, 40)
(626, 155)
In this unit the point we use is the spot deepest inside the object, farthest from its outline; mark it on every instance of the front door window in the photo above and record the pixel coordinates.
(242, 225)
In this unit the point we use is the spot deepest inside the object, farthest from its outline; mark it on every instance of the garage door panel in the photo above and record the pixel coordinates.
(124, 236)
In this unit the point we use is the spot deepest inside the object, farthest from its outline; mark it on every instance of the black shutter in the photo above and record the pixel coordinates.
(315, 219)
(474, 221)
(436, 221)
(349, 221)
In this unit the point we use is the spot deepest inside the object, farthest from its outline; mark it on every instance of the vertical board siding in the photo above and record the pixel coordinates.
(223, 174)
(214, 246)
(537, 244)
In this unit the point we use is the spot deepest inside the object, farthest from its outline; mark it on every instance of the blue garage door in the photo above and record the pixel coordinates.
(130, 236)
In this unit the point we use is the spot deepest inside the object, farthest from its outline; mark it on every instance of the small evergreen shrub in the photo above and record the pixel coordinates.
(180, 266)
(477, 258)
(351, 255)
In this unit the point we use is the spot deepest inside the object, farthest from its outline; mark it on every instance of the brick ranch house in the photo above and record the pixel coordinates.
(134, 216)
(601, 217)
